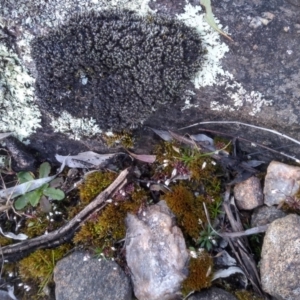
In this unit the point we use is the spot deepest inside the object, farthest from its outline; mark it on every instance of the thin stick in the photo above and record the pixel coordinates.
(245, 124)
(257, 144)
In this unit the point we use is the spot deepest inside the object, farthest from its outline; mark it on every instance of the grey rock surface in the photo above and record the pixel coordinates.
(280, 266)
(281, 181)
(213, 294)
(156, 253)
(264, 215)
(248, 194)
(263, 62)
(79, 276)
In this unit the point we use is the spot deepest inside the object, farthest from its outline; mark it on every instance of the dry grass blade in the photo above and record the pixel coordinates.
(240, 247)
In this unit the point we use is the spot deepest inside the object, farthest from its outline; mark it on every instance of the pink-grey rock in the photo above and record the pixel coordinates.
(248, 194)
(281, 181)
(280, 264)
(156, 253)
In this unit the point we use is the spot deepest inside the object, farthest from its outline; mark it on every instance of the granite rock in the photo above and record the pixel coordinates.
(78, 276)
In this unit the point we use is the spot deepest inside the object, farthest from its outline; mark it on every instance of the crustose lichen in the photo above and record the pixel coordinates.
(115, 67)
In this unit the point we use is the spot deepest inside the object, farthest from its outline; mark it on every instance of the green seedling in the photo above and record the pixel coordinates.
(206, 239)
(35, 196)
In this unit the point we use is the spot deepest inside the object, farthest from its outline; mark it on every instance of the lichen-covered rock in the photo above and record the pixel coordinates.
(280, 266)
(156, 253)
(115, 67)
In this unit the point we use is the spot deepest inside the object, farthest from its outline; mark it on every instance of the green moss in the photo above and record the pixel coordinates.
(39, 265)
(186, 198)
(200, 273)
(246, 295)
(4, 241)
(123, 138)
(187, 209)
(95, 183)
(108, 226)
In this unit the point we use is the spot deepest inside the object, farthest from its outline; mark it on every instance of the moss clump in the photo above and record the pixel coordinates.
(39, 265)
(36, 227)
(4, 241)
(187, 209)
(123, 138)
(200, 273)
(94, 183)
(246, 295)
(186, 198)
(108, 226)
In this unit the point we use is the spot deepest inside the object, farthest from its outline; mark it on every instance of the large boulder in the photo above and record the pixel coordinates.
(252, 79)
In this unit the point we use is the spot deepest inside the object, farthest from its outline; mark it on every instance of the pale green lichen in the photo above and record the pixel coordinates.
(216, 50)
(212, 72)
(18, 112)
(76, 128)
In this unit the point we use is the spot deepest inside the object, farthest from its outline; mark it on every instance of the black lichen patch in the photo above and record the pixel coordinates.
(114, 66)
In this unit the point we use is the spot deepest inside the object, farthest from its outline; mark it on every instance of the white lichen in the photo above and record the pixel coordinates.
(212, 72)
(18, 112)
(216, 50)
(241, 98)
(75, 128)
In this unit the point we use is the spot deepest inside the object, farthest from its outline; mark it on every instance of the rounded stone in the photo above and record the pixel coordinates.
(78, 276)
(280, 266)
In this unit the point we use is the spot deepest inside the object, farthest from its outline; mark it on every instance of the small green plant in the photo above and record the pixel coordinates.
(207, 238)
(215, 209)
(188, 155)
(35, 196)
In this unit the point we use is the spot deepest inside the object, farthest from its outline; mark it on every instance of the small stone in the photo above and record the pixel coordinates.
(280, 265)
(156, 253)
(248, 194)
(264, 215)
(281, 181)
(77, 279)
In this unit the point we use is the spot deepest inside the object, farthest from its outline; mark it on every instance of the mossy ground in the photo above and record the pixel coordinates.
(104, 230)
(39, 266)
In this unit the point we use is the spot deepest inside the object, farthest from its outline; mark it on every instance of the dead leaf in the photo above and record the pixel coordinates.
(147, 158)
(165, 135)
(87, 159)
